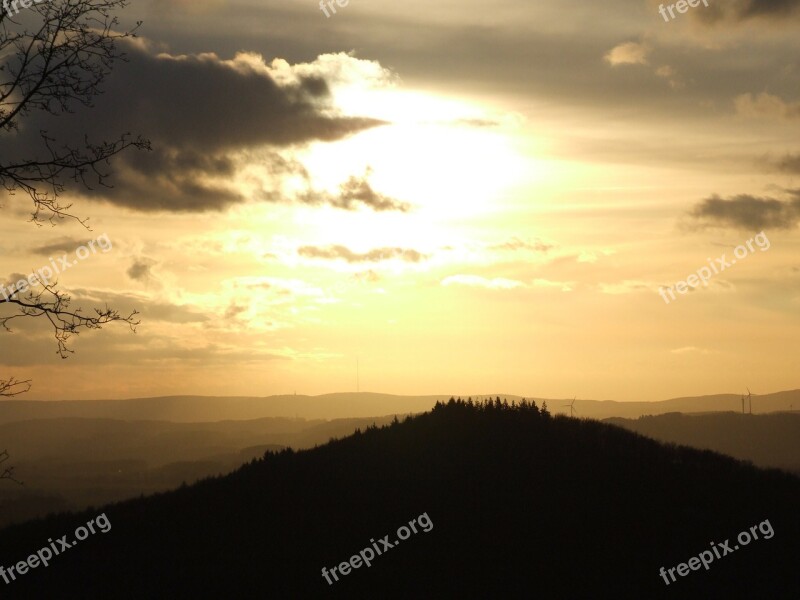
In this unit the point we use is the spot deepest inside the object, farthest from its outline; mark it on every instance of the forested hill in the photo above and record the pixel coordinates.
(520, 505)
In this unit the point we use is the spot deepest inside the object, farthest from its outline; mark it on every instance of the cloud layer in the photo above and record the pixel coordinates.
(203, 114)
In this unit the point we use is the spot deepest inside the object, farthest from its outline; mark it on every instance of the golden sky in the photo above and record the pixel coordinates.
(464, 197)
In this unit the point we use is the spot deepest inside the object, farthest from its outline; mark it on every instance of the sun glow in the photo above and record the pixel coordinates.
(447, 159)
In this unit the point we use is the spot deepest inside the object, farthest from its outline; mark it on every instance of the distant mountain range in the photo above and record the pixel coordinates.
(188, 409)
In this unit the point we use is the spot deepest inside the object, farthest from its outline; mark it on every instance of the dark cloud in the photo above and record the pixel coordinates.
(376, 255)
(749, 212)
(789, 164)
(141, 269)
(201, 113)
(745, 10)
(355, 192)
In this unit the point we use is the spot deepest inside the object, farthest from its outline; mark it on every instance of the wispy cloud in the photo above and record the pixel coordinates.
(337, 252)
(502, 283)
(766, 106)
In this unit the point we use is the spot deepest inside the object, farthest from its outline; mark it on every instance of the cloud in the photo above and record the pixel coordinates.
(749, 212)
(627, 286)
(202, 114)
(591, 256)
(149, 309)
(670, 74)
(141, 269)
(789, 164)
(515, 243)
(368, 276)
(336, 252)
(498, 283)
(355, 192)
(738, 11)
(766, 106)
(234, 310)
(628, 53)
(564, 286)
(691, 350)
(63, 245)
(503, 283)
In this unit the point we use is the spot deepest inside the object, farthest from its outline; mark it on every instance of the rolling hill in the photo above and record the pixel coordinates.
(504, 501)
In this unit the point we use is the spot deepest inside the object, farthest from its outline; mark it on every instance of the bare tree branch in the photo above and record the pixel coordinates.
(7, 472)
(65, 322)
(51, 69)
(13, 386)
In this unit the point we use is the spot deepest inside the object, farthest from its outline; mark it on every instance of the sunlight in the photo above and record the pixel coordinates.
(447, 159)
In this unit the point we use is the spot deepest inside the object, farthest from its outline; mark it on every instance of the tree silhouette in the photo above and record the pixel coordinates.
(53, 67)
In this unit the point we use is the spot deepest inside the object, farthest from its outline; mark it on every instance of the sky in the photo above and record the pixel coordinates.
(414, 198)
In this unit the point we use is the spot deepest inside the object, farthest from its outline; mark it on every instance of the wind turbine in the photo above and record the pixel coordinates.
(571, 407)
(749, 401)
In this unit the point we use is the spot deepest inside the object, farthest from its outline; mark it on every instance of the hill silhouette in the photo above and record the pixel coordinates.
(766, 440)
(521, 504)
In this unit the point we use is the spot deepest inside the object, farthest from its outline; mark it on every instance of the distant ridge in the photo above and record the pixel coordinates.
(194, 409)
(188, 409)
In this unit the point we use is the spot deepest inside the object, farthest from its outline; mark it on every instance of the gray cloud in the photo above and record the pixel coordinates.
(343, 253)
(749, 212)
(200, 112)
(745, 10)
(141, 269)
(355, 192)
(789, 164)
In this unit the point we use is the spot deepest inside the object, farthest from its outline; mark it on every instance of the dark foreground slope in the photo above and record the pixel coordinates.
(766, 440)
(521, 505)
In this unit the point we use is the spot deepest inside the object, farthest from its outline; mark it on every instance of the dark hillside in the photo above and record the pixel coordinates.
(521, 505)
(766, 440)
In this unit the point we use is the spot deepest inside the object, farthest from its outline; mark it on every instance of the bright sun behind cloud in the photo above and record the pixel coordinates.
(447, 159)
